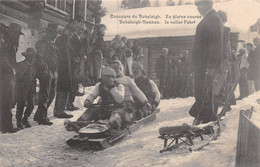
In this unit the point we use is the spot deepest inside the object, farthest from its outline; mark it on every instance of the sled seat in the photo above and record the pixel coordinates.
(176, 130)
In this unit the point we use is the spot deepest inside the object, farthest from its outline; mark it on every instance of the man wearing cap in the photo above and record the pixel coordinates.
(206, 58)
(147, 86)
(111, 103)
(26, 87)
(46, 72)
(64, 82)
(9, 42)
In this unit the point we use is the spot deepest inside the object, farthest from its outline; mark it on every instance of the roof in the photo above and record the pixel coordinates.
(239, 20)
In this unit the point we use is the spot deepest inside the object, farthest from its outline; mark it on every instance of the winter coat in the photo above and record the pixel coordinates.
(129, 61)
(47, 51)
(7, 58)
(149, 88)
(161, 67)
(26, 76)
(98, 41)
(257, 60)
(64, 50)
(207, 47)
(77, 51)
(252, 70)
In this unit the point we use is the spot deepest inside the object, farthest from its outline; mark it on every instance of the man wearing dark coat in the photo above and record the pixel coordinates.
(161, 69)
(98, 44)
(76, 58)
(257, 60)
(64, 82)
(206, 57)
(46, 72)
(9, 42)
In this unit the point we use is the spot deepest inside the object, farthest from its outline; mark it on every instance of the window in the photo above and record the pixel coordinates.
(62, 6)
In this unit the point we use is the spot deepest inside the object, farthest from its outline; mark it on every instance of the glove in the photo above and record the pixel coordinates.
(87, 103)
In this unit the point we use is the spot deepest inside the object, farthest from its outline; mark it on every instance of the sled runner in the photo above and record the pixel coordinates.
(97, 135)
(185, 134)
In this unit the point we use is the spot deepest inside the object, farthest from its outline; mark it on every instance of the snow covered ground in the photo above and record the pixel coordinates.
(45, 146)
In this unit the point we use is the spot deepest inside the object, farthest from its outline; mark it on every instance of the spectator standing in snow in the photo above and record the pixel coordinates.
(252, 69)
(243, 85)
(64, 82)
(97, 52)
(25, 87)
(9, 43)
(139, 57)
(129, 58)
(257, 59)
(77, 56)
(161, 69)
(46, 72)
(206, 57)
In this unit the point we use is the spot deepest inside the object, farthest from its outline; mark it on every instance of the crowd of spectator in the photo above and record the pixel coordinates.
(249, 60)
(175, 74)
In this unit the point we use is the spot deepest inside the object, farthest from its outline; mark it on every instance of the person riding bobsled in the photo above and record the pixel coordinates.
(146, 85)
(110, 105)
(131, 90)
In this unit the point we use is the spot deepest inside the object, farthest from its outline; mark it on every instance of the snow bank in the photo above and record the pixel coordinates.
(45, 145)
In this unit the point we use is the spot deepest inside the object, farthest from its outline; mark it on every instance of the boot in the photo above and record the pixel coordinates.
(25, 122)
(60, 103)
(72, 107)
(62, 115)
(44, 122)
(12, 130)
(19, 124)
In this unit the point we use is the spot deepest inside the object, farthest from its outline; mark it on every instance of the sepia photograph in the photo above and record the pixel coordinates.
(129, 83)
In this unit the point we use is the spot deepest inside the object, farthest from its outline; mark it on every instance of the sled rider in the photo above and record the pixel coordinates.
(111, 103)
(146, 85)
(130, 90)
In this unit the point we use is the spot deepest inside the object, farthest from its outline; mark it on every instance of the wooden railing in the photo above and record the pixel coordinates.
(248, 140)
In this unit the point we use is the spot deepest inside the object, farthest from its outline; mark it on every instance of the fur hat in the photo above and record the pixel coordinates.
(108, 71)
(197, 2)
